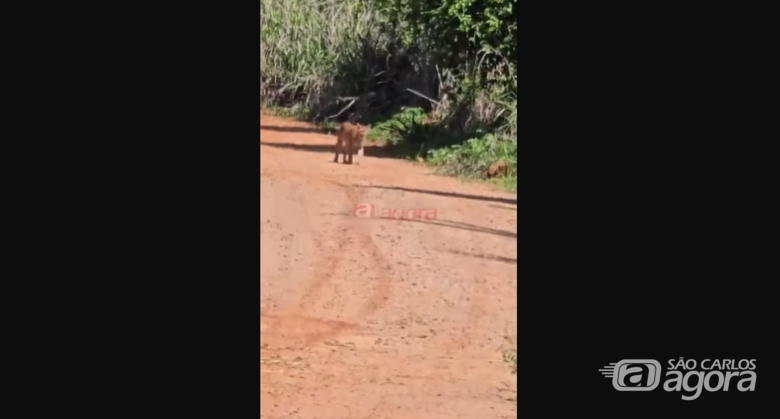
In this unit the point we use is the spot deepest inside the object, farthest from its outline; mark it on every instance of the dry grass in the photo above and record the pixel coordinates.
(511, 357)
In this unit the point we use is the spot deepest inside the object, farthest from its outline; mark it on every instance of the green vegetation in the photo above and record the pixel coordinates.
(436, 79)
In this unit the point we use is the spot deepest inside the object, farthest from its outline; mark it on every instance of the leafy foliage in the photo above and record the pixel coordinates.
(458, 29)
(399, 126)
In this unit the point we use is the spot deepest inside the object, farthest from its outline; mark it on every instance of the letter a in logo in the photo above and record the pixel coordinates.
(634, 374)
(364, 210)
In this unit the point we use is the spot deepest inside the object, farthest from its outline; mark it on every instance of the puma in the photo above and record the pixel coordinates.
(350, 141)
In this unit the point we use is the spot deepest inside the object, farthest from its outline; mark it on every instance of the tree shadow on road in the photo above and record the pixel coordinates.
(486, 257)
(368, 150)
(293, 129)
(450, 194)
(464, 226)
(442, 223)
(503, 207)
(314, 148)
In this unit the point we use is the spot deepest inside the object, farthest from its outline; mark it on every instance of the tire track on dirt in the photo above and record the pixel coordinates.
(326, 251)
(355, 242)
(335, 241)
(381, 267)
(439, 239)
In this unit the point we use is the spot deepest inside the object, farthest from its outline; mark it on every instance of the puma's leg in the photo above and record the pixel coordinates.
(338, 147)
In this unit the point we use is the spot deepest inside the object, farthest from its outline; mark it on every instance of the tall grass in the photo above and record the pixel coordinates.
(327, 60)
(308, 46)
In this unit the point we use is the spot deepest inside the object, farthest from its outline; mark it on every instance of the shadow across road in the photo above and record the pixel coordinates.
(313, 148)
(368, 150)
(292, 129)
(450, 194)
(441, 223)
(486, 257)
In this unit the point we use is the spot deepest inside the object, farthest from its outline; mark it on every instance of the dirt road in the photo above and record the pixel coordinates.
(368, 317)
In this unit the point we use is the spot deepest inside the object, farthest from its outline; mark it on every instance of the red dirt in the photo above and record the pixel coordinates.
(380, 318)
